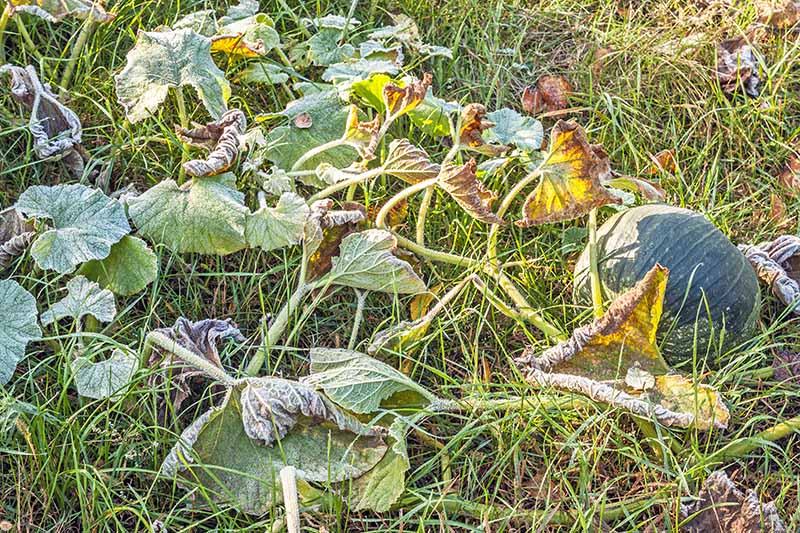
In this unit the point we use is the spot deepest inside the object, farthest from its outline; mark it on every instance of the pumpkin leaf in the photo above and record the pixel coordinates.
(362, 384)
(205, 215)
(432, 115)
(56, 10)
(378, 51)
(348, 72)
(271, 228)
(83, 298)
(737, 67)
(783, 286)
(324, 48)
(129, 268)
(203, 22)
(321, 218)
(237, 46)
(682, 395)
(333, 22)
(16, 234)
(510, 127)
(721, 506)
(240, 11)
(161, 60)
(18, 326)
(379, 488)
(550, 94)
(104, 379)
(399, 100)
(217, 453)
(409, 163)
(468, 191)
(366, 262)
(623, 337)
(85, 222)
(257, 28)
(220, 137)
(370, 90)
(571, 182)
(363, 136)
(266, 73)
(55, 128)
(473, 124)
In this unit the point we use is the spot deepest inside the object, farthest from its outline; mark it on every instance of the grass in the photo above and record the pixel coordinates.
(70, 464)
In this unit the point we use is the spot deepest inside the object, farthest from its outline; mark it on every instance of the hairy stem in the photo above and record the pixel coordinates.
(491, 246)
(330, 145)
(3, 23)
(74, 55)
(594, 272)
(361, 299)
(740, 448)
(344, 184)
(156, 338)
(380, 219)
(183, 117)
(423, 214)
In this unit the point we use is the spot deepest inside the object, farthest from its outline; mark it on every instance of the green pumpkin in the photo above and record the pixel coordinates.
(711, 284)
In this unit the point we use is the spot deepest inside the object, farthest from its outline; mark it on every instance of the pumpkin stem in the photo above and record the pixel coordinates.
(594, 274)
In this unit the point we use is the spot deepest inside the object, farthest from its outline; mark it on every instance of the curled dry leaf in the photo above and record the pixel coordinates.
(722, 508)
(401, 100)
(736, 67)
(786, 367)
(468, 191)
(363, 136)
(323, 233)
(779, 14)
(56, 10)
(572, 178)
(221, 137)
(16, 235)
(789, 177)
(473, 124)
(409, 163)
(550, 94)
(768, 270)
(55, 128)
(202, 339)
(663, 161)
(236, 45)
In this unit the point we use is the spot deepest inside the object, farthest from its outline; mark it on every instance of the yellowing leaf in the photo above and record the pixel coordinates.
(468, 191)
(682, 395)
(401, 100)
(237, 46)
(363, 136)
(572, 176)
(473, 124)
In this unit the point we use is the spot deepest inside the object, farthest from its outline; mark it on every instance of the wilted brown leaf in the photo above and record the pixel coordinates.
(779, 14)
(722, 508)
(473, 124)
(333, 227)
(663, 161)
(221, 137)
(790, 175)
(468, 191)
(409, 163)
(550, 94)
(777, 264)
(401, 100)
(736, 67)
(15, 235)
(786, 367)
(572, 179)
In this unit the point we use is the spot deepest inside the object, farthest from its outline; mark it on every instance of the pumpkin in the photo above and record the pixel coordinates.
(711, 284)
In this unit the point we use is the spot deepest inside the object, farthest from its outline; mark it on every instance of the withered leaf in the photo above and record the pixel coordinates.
(785, 250)
(771, 272)
(722, 508)
(15, 235)
(550, 94)
(363, 136)
(648, 189)
(221, 137)
(599, 62)
(736, 67)
(324, 231)
(663, 161)
(789, 177)
(401, 100)
(409, 163)
(473, 124)
(786, 367)
(55, 128)
(468, 191)
(779, 14)
(236, 45)
(572, 178)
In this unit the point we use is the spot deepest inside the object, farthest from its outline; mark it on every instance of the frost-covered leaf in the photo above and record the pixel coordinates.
(16, 234)
(129, 268)
(18, 326)
(220, 456)
(221, 138)
(366, 262)
(378, 489)
(240, 11)
(510, 127)
(104, 379)
(266, 73)
(783, 286)
(468, 191)
(682, 395)
(271, 228)
(572, 179)
(322, 217)
(722, 508)
(346, 73)
(203, 22)
(376, 50)
(161, 60)
(737, 67)
(334, 22)
(473, 124)
(205, 215)
(409, 163)
(85, 223)
(55, 128)
(56, 10)
(83, 298)
(324, 48)
(362, 384)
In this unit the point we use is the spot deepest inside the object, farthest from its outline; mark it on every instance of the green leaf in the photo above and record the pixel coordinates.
(328, 119)
(83, 298)
(205, 215)
(324, 48)
(346, 73)
(266, 73)
(271, 228)
(105, 379)
(379, 489)
(242, 10)
(86, 223)
(219, 455)
(432, 115)
(526, 133)
(130, 267)
(56, 10)
(161, 60)
(371, 90)
(362, 384)
(366, 262)
(18, 326)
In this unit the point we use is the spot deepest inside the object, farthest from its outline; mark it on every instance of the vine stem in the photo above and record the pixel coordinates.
(156, 338)
(740, 448)
(423, 214)
(183, 117)
(330, 145)
(594, 272)
(3, 23)
(491, 246)
(291, 504)
(361, 299)
(74, 55)
(278, 327)
(380, 218)
(344, 184)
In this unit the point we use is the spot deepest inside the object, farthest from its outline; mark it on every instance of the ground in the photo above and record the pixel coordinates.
(90, 465)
